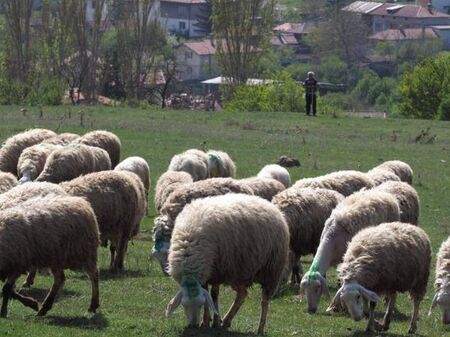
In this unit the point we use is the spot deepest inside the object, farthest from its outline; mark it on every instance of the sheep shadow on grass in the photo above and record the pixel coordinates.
(213, 332)
(39, 294)
(88, 322)
(106, 274)
(364, 333)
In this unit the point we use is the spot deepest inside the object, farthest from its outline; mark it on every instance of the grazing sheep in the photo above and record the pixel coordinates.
(344, 182)
(360, 210)
(386, 259)
(380, 176)
(407, 198)
(210, 245)
(72, 161)
(276, 172)
(399, 168)
(56, 232)
(138, 166)
(265, 188)
(32, 161)
(305, 211)
(178, 199)
(167, 183)
(442, 283)
(7, 181)
(194, 162)
(220, 165)
(62, 139)
(105, 140)
(118, 200)
(13, 147)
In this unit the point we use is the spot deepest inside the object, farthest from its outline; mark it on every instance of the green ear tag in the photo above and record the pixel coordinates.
(192, 286)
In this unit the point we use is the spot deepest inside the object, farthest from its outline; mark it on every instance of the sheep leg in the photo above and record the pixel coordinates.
(7, 291)
(112, 250)
(297, 271)
(215, 297)
(58, 281)
(95, 301)
(241, 294)
(388, 315)
(371, 323)
(206, 315)
(121, 250)
(413, 324)
(264, 309)
(30, 278)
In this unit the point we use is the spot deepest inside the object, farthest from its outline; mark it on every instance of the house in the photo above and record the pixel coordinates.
(444, 33)
(197, 60)
(439, 5)
(402, 35)
(186, 18)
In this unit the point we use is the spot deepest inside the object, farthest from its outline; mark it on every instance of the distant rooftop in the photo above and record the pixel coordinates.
(186, 1)
(404, 34)
(203, 47)
(293, 28)
(390, 9)
(362, 7)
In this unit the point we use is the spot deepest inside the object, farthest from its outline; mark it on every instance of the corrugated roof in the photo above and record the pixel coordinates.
(404, 34)
(408, 11)
(362, 7)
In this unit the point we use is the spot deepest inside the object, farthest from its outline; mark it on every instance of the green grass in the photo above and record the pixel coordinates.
(133, 304)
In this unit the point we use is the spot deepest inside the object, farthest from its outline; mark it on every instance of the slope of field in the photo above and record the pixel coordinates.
(133, 303)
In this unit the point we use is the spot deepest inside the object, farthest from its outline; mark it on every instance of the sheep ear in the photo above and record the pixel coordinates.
(174, 303)
(209, 302)
(335, 303)
(325, 290)
(302, 289)
(369, 295)
(433, 303)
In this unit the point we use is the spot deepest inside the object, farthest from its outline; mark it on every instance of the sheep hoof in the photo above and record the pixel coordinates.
(41, 312)
(226, 324)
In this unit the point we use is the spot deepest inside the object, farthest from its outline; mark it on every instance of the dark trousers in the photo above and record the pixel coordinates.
(311, 104)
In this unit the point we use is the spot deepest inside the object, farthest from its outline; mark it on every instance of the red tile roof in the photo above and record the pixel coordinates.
(203, 47)
(407, 11)
(404, 34)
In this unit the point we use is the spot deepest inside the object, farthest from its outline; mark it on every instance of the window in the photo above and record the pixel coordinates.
(182, 25)
(187, 54)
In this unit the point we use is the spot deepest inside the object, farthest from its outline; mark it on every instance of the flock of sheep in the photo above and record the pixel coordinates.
(61, 196)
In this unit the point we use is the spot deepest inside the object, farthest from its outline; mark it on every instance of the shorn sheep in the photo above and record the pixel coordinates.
(344, 182)
(13, 147)
(380, 176)
(178, 199)
(210, 245)
(7, 181)
(167, 183)
(105, 140)
(62, 139)
(220, 164)
(56, 232)
(386, 259)
(399, 168)
(276, 172)
(265, 188)
(32, 161)
(118, 199)
(72, 161)
(305, 211)
(407, 198)
(442, 283)
(193, 161)
(138, 166)
(360, 210)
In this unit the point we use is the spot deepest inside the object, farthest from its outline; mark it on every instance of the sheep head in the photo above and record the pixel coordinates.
(442, 298)
(313, 285)
(161, 236)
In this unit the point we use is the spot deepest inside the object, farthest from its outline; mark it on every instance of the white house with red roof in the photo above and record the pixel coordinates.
(197, 60)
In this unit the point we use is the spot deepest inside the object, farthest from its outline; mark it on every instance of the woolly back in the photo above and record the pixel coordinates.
(138, 166)
(365, 209)
(392, 255)
(12, 148)
(167, 183)
(105, 140)
(49, 231)
(33, 158)
(220, 164)
(443, 262)
(62, 139)
(230, 239)
(276, 172)
(399, 168)
(193, 161)
(379, 176)
(7, 181)
(265, 188)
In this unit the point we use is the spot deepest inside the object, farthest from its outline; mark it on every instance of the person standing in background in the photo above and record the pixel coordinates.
(310, 86)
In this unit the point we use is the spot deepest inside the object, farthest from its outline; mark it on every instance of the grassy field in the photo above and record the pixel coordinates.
(133, 304)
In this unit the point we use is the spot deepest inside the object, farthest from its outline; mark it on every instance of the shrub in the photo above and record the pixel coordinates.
(46, 92)
(444, 109)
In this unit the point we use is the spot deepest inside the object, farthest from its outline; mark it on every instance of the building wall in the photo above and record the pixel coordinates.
(442, 5)
(381, 23)
(194, 67)
(444, 34)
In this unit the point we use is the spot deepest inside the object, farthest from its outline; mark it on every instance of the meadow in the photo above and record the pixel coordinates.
(133, 303)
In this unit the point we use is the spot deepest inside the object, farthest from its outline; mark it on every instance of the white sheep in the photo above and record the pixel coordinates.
(386, 259)
(167, 183)
(276, 172)
(220, 164)
(360, 210)
(210, 245)
(380, 176)
(193, 161)
(399, 168)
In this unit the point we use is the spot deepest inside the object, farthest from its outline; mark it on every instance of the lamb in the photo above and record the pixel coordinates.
(220, 164)
(194, 162)
(56, 232)
(360, 210)
(32, 161)
(178, 199)
(344, 182)
(13, 147)
(305, 211)
(7, 181)
(399, 168)
(442, 283)
(105, 140)
(265, 188)
(167, 183)
(138, 166)
(276, 172)
(210, 245)
(118, 200)
(72, 161)
(407, 198)
(62, 139)
(380, 176)
(390, 258)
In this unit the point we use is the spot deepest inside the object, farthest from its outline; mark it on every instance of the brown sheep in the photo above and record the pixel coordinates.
(62, 139)
(105, 140)
(7, 181)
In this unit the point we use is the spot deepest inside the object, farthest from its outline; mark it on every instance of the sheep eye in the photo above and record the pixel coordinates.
(358, 297)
